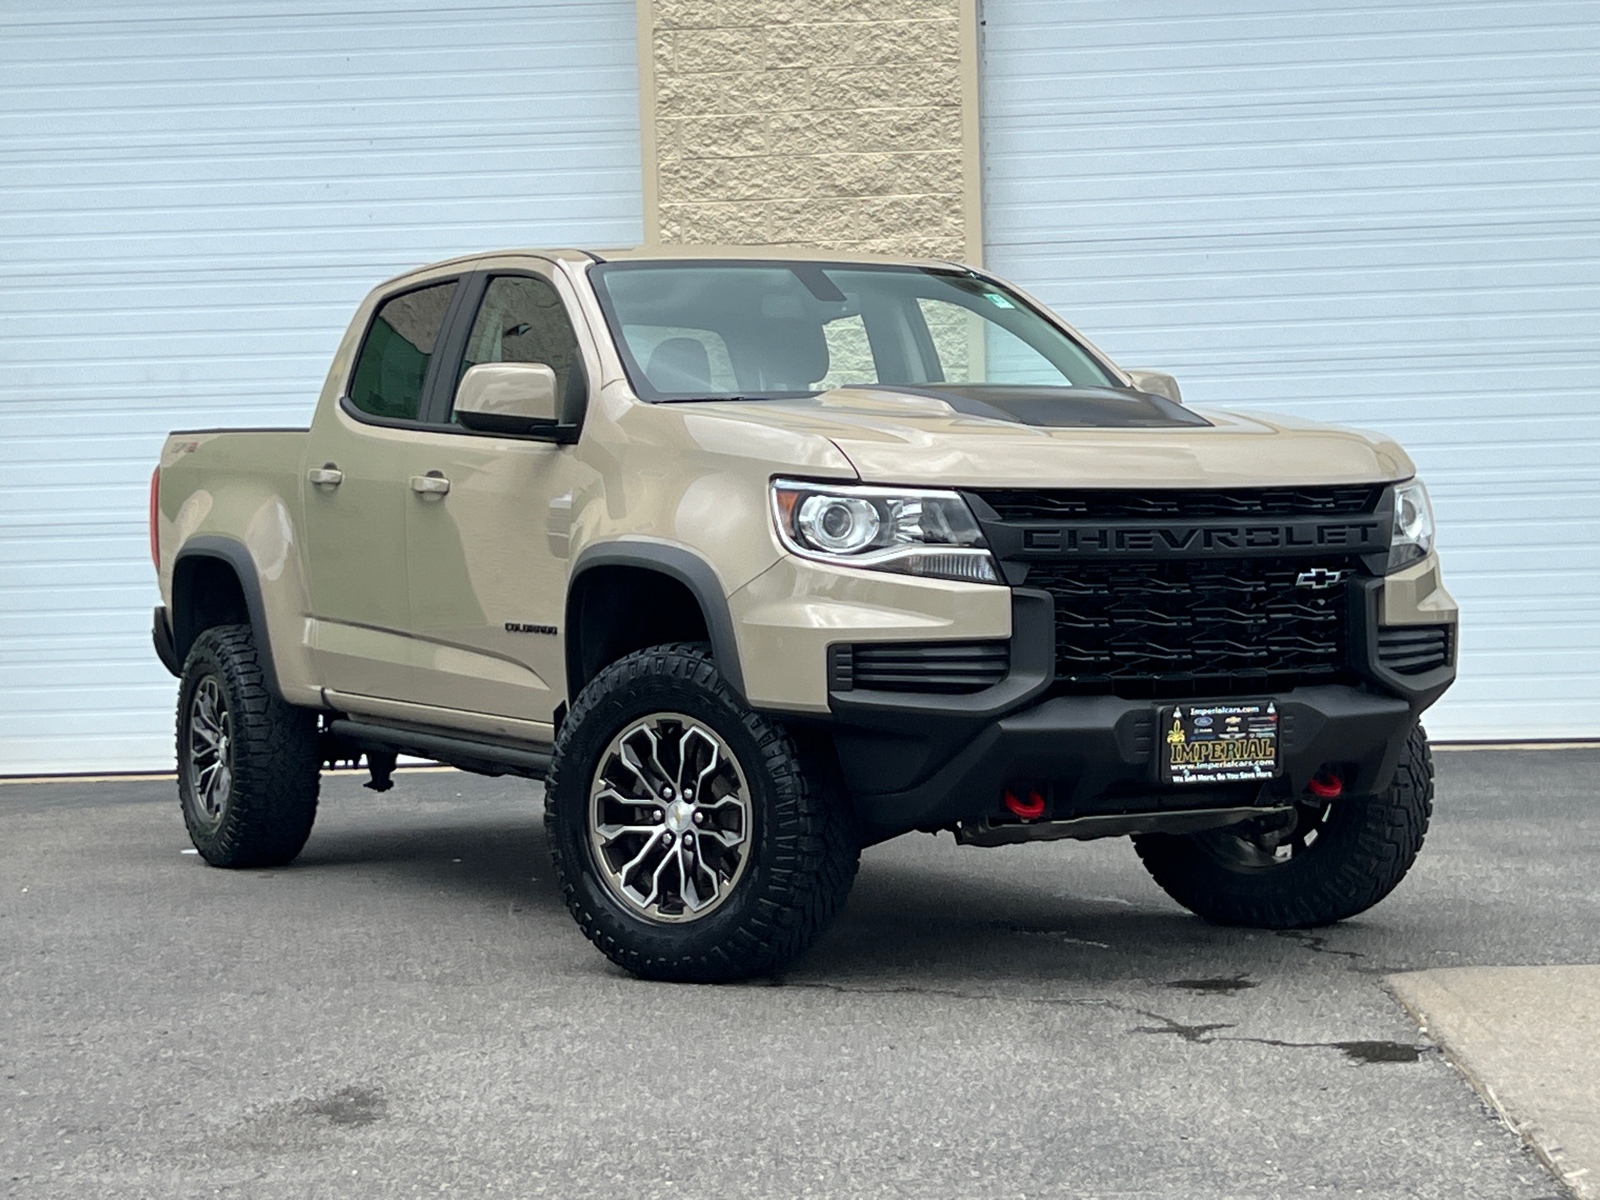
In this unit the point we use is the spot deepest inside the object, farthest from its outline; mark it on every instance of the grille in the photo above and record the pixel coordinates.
(1413, 649)
(1182, 503)
(920, 666)
(1179, 628)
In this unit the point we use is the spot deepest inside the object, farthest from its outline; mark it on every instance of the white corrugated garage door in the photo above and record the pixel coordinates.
(1373, 213)
(193, 199)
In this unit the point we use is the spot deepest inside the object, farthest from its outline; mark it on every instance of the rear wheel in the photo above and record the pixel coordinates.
(692, 838)
(1328, 860)
(248, 764)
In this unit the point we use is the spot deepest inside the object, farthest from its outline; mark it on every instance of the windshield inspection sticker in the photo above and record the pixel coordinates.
(999, 301)
(1219, 743)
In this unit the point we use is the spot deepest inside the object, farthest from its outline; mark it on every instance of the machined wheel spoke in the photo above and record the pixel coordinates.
(701, 898)
(207, 787)
(668, 861)
(612, 832)
(616, 797)
(727, 838)
(220, 783)
(205, 777)
(695, 734)
(693, 900)
(627, 868)
(608, 799)
(627, 756)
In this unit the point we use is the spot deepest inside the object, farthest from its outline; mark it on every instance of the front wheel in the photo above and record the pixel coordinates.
(1331, 860)
(691, 838)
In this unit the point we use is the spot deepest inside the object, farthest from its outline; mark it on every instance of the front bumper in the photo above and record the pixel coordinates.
(932, 761)
(1090, 755)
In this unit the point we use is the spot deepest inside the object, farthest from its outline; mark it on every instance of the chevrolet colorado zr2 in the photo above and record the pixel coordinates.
(756, 558)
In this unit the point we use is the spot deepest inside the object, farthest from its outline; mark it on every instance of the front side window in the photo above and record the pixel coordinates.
(392, 367)
(523, 320)
(719, 330)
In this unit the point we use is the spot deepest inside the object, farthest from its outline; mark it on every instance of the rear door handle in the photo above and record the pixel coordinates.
(431, 484)
(327, 475)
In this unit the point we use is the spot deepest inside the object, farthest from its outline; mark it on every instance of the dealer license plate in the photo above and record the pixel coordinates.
(1219, 743)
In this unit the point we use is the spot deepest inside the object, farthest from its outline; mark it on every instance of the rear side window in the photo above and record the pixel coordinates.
(393, 364)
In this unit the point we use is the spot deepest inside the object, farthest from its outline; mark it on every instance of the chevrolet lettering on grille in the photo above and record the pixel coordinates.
(1203, 541)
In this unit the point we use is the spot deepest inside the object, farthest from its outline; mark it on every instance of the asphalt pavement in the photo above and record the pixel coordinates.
(409, 1010)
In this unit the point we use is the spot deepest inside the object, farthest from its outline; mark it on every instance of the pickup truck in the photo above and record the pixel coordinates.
(758, 558)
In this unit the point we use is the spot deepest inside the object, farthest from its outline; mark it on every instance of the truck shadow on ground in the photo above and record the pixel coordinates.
(1065, 941)
(913, 920)
(499, 861)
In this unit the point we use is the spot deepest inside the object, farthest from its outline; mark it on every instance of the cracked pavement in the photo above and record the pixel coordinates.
(409, 1010)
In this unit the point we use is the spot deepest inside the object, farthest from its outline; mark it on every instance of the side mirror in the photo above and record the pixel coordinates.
(1157, 383)
(513, 397)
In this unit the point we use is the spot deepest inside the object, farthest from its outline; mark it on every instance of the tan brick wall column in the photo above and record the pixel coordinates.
(844, 124)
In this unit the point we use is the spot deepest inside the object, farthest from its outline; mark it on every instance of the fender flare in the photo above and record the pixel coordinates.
(237, 556)
(684, 566)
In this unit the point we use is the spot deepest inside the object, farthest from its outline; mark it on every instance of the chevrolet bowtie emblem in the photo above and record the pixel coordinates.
(1318, 578)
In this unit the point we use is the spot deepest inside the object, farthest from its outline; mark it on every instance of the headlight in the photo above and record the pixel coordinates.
(1412, 537)
(883, 529)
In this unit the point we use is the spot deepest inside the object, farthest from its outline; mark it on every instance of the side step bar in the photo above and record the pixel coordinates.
(482, 758)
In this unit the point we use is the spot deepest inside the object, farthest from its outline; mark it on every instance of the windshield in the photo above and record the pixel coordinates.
(722, 330)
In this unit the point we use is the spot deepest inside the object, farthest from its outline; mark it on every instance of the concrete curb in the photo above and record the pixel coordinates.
(1528, 1039)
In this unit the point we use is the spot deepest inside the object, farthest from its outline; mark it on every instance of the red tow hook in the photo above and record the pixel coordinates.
(1326, 787)
(1030, 809)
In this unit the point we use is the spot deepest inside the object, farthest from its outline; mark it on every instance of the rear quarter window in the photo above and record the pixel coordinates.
(392, 368)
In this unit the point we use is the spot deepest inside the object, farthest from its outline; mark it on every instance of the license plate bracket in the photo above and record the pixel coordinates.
(1232, 741)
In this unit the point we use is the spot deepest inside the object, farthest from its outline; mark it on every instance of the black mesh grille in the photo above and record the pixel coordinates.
(1182, 503)
(920, 666)
(1413, 649)
(1179, 628)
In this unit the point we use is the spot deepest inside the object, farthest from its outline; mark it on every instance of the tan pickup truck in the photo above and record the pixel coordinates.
(758, 558)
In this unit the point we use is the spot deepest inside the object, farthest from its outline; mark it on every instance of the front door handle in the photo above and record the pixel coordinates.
(327, 475)
(431, 484)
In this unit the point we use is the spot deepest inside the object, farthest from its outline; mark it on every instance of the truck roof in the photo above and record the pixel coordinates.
(649, 253)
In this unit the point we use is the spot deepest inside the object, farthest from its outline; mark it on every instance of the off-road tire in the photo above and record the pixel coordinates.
(266, 812)
(803, 849)
(1366, 844)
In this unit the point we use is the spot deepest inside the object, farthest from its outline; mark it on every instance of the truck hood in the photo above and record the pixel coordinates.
(967, 436)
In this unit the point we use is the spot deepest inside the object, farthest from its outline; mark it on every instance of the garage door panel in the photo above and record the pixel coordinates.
(1381, 216)
(1313, 278)
(192, 203)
